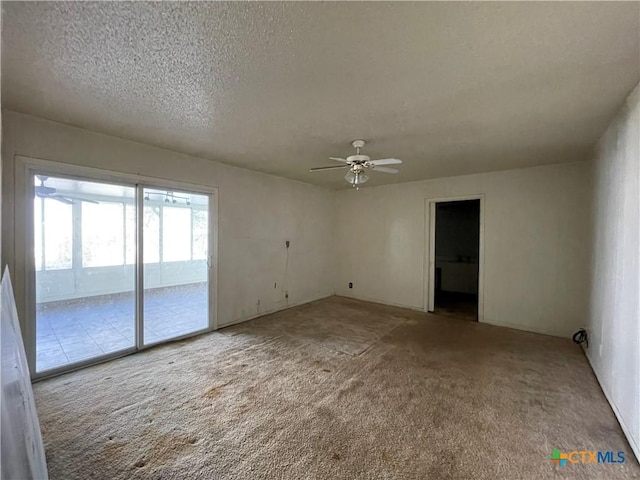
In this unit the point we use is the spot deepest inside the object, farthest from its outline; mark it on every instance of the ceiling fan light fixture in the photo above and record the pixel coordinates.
(356, 178)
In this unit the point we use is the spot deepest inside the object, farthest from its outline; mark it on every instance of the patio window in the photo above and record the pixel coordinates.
(103, 238)
(176, 238)
(151, 221)
(130, 234)
(200, 235)
(53, 238)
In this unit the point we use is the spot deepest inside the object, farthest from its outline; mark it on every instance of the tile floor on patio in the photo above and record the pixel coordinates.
(77, 330)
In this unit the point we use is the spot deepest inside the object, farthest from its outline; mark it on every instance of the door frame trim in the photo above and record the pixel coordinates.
(23, 243)
(430, 250)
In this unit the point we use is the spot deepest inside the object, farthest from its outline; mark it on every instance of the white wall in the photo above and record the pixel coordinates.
(614, 316)
(257, 213)
(536, 244)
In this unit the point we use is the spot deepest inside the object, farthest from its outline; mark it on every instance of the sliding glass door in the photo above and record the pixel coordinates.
(84, 233)
(175, 251)
(117, 267)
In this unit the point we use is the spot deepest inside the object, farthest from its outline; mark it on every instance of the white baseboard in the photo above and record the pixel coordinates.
(391, 304)
(627, 432)
(527, 328)
(273, 310)
(523, 328)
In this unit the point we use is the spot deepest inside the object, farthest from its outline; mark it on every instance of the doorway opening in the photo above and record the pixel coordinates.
(456, 258)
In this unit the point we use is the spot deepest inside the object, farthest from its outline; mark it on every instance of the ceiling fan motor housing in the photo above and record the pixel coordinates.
(358, 158)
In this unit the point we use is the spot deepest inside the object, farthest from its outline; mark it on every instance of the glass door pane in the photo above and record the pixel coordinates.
(175, 250)
(85, 276)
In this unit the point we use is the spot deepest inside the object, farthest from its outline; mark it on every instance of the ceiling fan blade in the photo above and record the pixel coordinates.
(386, 169)
(338, 159)
(385, 161)
(44, 190)
(82, 199)
(328, 168)
(60, 198)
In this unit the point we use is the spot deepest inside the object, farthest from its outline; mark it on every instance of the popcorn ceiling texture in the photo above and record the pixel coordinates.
(336, 389)
(451, 88)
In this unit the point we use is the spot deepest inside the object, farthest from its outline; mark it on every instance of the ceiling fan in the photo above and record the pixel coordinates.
(359, 164)
(44, 191)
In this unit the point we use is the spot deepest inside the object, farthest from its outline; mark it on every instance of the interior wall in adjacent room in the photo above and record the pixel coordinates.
(457, 229)
(536, 244)
(614, 314)
(458, 245)
(257, 213)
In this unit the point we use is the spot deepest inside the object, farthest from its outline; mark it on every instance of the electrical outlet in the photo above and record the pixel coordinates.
(286, 294)
(286, 243)
(350, 284)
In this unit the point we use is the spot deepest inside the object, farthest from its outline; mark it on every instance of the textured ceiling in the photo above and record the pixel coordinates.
(450, 88)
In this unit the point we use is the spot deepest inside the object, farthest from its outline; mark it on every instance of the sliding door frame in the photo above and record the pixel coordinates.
(140, 268)
(26, 169)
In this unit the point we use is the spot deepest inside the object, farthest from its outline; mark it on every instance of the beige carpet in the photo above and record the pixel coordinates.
(336, 389)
